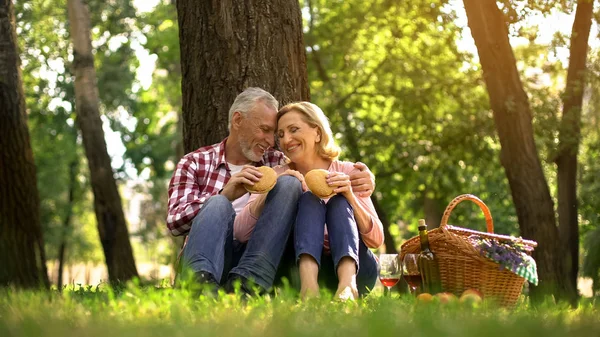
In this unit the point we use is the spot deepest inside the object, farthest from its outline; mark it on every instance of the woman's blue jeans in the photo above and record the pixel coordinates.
(344, 240)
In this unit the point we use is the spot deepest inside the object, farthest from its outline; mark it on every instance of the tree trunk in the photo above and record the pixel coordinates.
(67, 223)
(107, 201)
(570, 134)
(388, 239)
(22, 257)
(229, 45)
(519, 157)
(432, 209)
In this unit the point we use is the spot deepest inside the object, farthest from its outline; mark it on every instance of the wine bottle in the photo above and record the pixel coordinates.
(428, 263)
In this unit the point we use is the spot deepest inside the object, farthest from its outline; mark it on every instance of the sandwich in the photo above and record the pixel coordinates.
(266, 182)
(317, 184)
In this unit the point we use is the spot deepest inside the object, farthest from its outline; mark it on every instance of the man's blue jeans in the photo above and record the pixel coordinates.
(211, 248)
(344, 240)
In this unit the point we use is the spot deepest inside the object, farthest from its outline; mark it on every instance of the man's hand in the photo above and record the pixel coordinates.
(235, 186)
(363, 181)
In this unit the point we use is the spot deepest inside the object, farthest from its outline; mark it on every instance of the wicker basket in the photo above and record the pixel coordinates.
(462, 266)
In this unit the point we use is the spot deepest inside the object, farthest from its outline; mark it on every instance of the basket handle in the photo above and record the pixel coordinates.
(486, 211)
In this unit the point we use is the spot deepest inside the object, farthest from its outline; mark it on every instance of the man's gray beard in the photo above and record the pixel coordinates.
(248, 153)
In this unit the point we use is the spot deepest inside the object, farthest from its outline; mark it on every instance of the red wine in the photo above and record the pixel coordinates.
(414, 281)
(389, 281)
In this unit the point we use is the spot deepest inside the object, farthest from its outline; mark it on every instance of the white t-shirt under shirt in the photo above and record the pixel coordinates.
(239, 203)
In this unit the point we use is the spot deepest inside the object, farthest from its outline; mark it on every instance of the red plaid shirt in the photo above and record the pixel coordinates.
(198, 176)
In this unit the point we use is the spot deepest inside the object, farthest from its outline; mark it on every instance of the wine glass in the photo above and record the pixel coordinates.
(411, 273)
(389, 270)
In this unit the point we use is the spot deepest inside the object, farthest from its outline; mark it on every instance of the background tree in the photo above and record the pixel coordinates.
(519, 155)
(589, 186)
(570, 138)
(399, 82)
(112, 227)
(227, 46)
(395, 86)
(157, 142)
(22, 253)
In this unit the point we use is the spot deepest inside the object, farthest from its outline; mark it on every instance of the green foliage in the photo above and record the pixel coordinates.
(45, 44)
(162, 312)
(591, 264)
(403, 99)
(154, 144)
(401, 96)
(589, 186)
(56, 145)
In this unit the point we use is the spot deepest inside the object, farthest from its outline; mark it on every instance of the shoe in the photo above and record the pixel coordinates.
(206, 284)
(246, 287)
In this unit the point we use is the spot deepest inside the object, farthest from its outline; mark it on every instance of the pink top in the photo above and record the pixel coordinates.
(245, 221)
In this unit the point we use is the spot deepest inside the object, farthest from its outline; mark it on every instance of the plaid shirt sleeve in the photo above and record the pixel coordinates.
(273, 158)
(186, 195)
(197, 177)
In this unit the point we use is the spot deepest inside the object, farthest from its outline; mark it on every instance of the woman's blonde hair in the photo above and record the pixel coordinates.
(314, 116)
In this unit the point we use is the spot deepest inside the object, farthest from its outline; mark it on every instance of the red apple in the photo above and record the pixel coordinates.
(472, 291)
(446, 297)
(471, 296)
(424, 298)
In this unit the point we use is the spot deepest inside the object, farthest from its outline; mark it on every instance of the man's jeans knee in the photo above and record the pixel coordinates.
(267, 243)
(210, 236)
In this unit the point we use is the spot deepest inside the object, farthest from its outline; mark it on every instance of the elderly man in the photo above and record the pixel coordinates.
(206, 192)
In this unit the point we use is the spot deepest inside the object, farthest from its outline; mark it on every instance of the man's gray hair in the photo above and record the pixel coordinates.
(245, 101)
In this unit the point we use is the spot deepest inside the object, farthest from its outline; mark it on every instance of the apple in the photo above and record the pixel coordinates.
(424, 298)
(471, 296)
(472, 291)
(445, 297)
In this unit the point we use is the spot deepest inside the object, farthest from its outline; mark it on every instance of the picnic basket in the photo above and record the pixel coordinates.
(461, 264)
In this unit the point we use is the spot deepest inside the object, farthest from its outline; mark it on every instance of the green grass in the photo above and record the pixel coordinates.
(165, 312)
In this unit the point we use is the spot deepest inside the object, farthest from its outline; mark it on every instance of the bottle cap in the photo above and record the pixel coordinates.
(422, 224)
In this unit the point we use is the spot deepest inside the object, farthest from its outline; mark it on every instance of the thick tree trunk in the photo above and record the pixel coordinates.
(22, 258)
(512, 115)
(570, 134)
(229, 45)
(107, 201)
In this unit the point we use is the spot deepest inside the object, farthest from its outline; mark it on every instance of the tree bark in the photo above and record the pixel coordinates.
(112, 227)
(388, 239)
(227, 46)
(519, 157)
(432, 209)
(66, 223)
(569, 139)
(22, 257)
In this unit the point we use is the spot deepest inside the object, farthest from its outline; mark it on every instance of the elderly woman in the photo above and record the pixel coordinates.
(331, 236)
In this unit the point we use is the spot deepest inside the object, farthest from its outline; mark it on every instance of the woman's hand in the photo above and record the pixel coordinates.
(340, 182)
(298, 175)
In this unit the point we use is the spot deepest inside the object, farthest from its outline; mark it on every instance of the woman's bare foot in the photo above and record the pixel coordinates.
(309, 275)
(309, 291)
(346, 293)
(346, 271)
